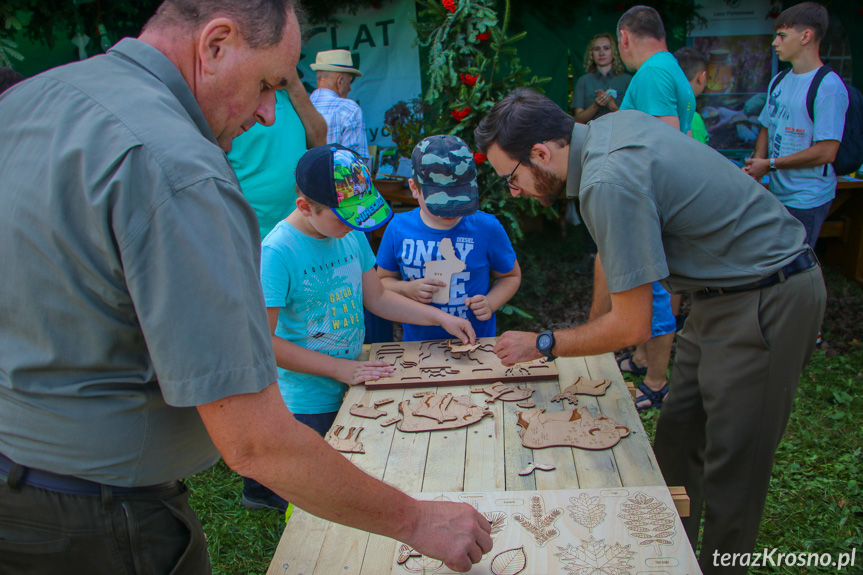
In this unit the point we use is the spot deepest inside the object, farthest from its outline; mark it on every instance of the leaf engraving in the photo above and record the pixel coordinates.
(510, 562)
(596, 558)
(540, 524)
(497, 520)
(648, 519)
(587, 511)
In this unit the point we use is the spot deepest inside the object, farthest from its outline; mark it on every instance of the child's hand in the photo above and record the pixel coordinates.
(480, 307)
(458, 327)
(355, 372)
(423, 289)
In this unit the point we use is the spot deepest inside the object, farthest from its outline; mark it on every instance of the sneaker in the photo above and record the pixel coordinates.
(271, 502)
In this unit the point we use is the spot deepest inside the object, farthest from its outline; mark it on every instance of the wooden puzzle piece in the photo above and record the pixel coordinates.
(455, 346)
(434, 362)
(587, 511)
(583, 386)
(504, 392)
(540, 524)
(509, 562)
(361, 410)
(531, 467)
(526, 404)
(349, 444)
(444, 269)
(596, 557)
(571, 428)
(455, 412)
(649, 520)
(497, 520)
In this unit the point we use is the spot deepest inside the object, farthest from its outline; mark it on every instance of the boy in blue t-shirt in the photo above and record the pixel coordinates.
(317, 274)
(444, 184)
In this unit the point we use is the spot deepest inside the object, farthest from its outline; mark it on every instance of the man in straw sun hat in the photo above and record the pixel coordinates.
(346, 126)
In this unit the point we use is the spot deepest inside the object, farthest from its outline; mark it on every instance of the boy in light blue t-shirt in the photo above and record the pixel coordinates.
(447, 225)
(317, 274)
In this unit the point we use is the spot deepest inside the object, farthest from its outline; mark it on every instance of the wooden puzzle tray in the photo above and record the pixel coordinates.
(445, 362)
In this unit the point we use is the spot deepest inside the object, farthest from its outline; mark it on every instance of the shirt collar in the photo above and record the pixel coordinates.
(327, 92)
(576, 146)
(155, 62)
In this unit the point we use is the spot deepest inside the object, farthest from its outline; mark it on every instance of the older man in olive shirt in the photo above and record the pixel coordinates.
(134, 341)
(663, 207)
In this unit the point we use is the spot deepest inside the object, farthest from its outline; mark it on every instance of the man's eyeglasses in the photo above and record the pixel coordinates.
(507, 181)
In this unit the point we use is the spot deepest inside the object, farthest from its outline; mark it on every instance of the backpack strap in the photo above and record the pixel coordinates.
(777, 79)
(813, 89)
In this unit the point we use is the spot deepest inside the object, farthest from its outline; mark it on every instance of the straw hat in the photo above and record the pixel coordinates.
(335, 61)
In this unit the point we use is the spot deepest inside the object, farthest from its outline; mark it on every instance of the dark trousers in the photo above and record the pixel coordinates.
(320, 422)
(812, 219)
(739, 358)
(48, 533)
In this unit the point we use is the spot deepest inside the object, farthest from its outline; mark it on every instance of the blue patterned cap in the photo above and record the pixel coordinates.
(443, 166)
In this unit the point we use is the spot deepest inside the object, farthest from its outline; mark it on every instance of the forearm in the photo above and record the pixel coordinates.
(608, 332)
(297, 358)
(396, 285)
(396, 307)
(761, 144)
(502, 291)
(818, 154)
(584, 115)
(270, 446)
(313, 122)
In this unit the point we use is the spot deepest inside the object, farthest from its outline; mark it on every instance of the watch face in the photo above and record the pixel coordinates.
(546, 342)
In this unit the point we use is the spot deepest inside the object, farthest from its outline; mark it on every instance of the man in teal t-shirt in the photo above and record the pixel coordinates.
(659, 88)
(265, 157)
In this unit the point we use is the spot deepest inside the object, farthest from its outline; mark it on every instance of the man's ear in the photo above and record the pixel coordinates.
(415, 189)
(807, 36)
(701, 78)
(540, 153)
(216, 38)
(622, 38)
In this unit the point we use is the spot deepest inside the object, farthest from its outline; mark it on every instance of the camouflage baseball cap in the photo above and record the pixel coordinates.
(338, 178)
(443, 167)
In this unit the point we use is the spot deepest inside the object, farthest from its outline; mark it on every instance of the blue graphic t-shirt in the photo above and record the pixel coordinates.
(479, 241)
(317, 284)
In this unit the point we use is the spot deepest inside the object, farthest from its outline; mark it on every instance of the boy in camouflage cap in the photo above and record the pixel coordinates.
(448, 225)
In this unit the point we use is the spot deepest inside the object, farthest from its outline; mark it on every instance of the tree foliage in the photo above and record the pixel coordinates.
(473, 64)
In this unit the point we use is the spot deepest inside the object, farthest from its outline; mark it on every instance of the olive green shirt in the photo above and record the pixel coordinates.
(130, 288)
(663, 207)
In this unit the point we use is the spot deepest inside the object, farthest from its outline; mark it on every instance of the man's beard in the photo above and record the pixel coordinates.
(547, 185)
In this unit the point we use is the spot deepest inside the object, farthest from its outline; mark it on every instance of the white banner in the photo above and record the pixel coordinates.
(382, 42)
(735, 17)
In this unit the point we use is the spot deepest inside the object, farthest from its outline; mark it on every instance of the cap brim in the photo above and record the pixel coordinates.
(366, 212)
(451, 201)
(335, 68)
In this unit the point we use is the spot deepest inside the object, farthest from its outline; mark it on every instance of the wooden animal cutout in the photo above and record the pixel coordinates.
(531, 467)
(348, 444)
(583, 386)
(436, 412)
(504, 392)
(455, 346)
(571, 428)
(443, 269)
(526, 404)
(361, 410)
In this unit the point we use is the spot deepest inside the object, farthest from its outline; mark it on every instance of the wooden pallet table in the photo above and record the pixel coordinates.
(484, 457)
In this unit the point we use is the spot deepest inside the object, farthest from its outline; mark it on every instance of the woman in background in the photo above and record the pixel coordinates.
(600, 90)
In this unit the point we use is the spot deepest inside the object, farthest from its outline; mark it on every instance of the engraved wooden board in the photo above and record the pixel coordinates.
(443, 269)
(434, 363)
(622, 531)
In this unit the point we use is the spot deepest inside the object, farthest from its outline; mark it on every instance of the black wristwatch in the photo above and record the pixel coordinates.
(772, 164)
(545, 343)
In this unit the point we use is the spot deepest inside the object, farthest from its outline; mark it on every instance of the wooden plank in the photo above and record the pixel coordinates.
(444, 470)
(516, 457)
(681, 500)
(300, 545)
(485, 455)
(633, 455)
(593, 468)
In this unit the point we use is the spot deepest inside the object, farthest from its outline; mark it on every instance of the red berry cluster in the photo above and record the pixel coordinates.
(483, 36)
(460, 113)
(479, 158)
(469, 79)
(449, 5)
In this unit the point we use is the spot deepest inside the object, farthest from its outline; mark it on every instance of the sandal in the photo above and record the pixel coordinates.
(654, 397)
(633, 368)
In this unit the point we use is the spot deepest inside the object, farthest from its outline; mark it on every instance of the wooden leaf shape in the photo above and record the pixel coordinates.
(649, 519)
(497, 520)
(540, 524)
(404, 554)
(586, 510)
(509, 562)
(422, 564)
(596, 558)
